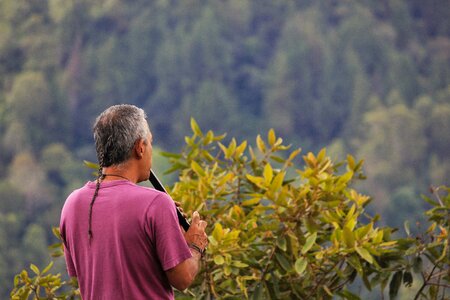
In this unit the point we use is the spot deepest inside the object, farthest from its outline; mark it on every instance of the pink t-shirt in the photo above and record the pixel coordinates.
(135, 239)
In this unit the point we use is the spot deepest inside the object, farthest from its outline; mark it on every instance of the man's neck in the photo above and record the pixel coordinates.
(119, 173)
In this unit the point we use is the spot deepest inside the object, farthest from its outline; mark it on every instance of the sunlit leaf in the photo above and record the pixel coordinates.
(364, 254)
(300, 265)
(195, 128)
(309, 243)
(260, 144)
(271, 137)
(268, 173)
(219, 260)
(35, 269)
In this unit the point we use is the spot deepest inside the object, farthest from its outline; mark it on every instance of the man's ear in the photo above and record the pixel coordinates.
(139, 147)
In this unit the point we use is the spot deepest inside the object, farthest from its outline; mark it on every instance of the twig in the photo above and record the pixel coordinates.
(425, 282)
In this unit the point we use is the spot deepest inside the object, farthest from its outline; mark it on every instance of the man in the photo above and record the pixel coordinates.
(122, 240)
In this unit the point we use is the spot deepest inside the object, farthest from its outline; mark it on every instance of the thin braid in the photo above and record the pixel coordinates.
(97, 188)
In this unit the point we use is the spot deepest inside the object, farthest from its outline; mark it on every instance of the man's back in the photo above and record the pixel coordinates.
(135, 239)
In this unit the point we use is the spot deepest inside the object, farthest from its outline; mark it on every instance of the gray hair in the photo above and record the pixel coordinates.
(115, 132)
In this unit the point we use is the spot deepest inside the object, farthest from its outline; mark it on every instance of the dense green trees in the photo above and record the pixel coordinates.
(365, 77)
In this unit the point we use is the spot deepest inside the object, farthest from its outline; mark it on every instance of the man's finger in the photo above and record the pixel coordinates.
(202, 224)
(195, 218)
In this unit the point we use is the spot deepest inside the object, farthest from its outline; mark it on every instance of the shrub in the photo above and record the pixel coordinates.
(280, 231)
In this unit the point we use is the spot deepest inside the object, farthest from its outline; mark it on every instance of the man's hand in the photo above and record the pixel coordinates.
(182, 276)
(196, 236)
(178, 205)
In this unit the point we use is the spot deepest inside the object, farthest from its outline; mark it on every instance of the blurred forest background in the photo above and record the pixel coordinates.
(366, 77)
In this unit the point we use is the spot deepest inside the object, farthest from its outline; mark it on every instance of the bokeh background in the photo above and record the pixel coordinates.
(365, 77)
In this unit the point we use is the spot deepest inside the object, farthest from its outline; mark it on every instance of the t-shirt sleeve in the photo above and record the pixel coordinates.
(67, 255)
(171, 247)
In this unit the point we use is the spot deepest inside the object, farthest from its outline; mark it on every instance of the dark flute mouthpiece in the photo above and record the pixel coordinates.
(158, 186)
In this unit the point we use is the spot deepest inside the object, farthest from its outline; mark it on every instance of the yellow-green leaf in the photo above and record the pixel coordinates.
(240, 149)
(363, 231)
(309, 242)
(277, 182)
(321, 154)
(364, 254)
(219, 260)
(195, 128)
(260, 143)
(351, 162)
(349, 238)
(231, 148)
(327, 290)
(47, 268)
(239, 264)
(251, 201)
(217, 232)
(90, 165)
(224, 149)
(255, 179)
(197, 168)
(268, 174)
(35, 269)
(345, 178)
(271, 137)
(300, 265)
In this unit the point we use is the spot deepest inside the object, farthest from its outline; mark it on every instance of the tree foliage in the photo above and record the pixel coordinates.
(281, 230)
(319, 72)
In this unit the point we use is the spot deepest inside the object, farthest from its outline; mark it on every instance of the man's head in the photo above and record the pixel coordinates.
(116, 132)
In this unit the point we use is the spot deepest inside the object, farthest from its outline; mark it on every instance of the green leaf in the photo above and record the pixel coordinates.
(170, 154)
(395, 283)
(349, 237)
(260, 144)
(364, 254)
(255, 179)
(345, 178)
(271, 137)
(361, 232)
(239, 264)
(321, 154)
(366, 282)
(47, 268)
(300, 265)
(351, 162)
(219, 260)
(284, 263)
(259, 292)
(195, 128)
(268, 173)
(251, 202)
(35, 269)
(91, 165)
(407, 279)
(418, 264)
(309, 242)
(197, 168)
(231, 148)
(349, 295)
(282, 243)
(217, 232)
(223, 148)
(240, 149)
(277, 182)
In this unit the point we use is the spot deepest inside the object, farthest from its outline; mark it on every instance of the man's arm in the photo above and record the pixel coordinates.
(183, 274)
